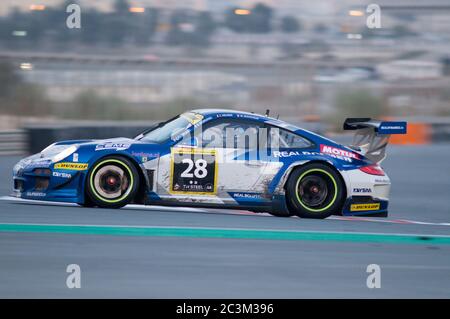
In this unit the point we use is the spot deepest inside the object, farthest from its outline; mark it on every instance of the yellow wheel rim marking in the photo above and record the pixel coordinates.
(334, 196)
(91, 181)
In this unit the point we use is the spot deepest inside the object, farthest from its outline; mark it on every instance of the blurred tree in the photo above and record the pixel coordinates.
(291, 50)
(320, 28)
(261, 18)
(15, 21)
(90, 105)
(257, 20)
(235, 22)
(402, 31)
(190, 29)
(358, 103)
(290, 24)
(92, 28)
(19, 98)
(118, 25)
(176, 34)
(30, 100)
(121, 6)
(445, 61)
(204, 28)
(9, 80)
(145, 26)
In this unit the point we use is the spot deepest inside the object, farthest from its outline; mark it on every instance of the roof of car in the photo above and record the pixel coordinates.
(228, 111)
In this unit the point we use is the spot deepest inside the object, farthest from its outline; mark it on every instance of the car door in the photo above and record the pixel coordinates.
(214, 163)
(236, 143)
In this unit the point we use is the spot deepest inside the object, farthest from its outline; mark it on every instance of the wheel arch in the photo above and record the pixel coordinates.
(315, 161)
(140, 195)
(325, 163)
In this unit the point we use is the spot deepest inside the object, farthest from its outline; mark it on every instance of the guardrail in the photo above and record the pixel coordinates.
(13, 142)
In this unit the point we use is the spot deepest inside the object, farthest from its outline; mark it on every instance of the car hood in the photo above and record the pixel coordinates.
(118, 143)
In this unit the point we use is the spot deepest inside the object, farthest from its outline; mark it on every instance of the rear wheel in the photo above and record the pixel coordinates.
(112, 182)
(315, 191)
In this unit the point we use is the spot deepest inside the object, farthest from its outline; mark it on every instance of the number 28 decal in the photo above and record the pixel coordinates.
(193, 171)
(200, 170)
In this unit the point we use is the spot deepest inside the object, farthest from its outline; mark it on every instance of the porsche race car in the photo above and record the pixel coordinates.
(219, 159)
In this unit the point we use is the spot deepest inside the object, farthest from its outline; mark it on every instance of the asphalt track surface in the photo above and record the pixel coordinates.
(160, 252)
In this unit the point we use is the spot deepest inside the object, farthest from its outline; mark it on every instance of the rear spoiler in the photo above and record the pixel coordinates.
(380, 127)
(372, 136)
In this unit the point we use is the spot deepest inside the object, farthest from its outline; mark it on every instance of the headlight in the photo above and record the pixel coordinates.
(48, 148)
(63, 154)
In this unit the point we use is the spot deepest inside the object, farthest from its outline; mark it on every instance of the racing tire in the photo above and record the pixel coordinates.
(279, 214)
(315, 191)
(112, 182)
(88, 203)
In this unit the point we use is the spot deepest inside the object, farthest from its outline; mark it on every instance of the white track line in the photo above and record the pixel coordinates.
(130, 206)
(230, 212)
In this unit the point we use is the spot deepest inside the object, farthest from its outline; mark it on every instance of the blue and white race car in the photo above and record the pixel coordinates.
(219, 159)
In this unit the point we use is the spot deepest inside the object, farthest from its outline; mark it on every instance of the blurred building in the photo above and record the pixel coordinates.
(410, 69)
(133, 86)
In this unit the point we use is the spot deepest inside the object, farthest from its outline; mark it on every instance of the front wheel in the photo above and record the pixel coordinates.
(315, 191)
(112, 182)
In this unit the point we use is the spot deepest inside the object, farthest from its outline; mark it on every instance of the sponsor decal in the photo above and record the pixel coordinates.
(145, 157)
(241, 195)
(287, 153)
(247, 197)
(247, 116)
(71, 166)
(392, 128)
(362, 190)
(325, 149)
(39, 163)
(225, 115)
(364, 207)
(62, 175)
(112, 146)
(193, 172)
(300, 153)
(75, 157)
(35, 194)
(193, 118)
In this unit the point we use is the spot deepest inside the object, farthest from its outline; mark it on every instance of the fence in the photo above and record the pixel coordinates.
(13, 142)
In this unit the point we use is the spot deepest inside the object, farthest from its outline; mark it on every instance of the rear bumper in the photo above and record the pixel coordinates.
(365, 206)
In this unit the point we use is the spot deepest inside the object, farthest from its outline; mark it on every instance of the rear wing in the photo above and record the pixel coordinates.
(372, 136)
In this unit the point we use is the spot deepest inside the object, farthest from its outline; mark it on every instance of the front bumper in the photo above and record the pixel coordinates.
(36, 178)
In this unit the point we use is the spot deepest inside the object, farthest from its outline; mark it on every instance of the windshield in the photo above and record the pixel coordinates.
(171, 128)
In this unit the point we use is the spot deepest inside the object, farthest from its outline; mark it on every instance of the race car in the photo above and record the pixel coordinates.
(219, 158)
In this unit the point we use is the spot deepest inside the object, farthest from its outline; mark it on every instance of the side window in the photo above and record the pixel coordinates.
(231, 133)
(213, 136)
(280, 138)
